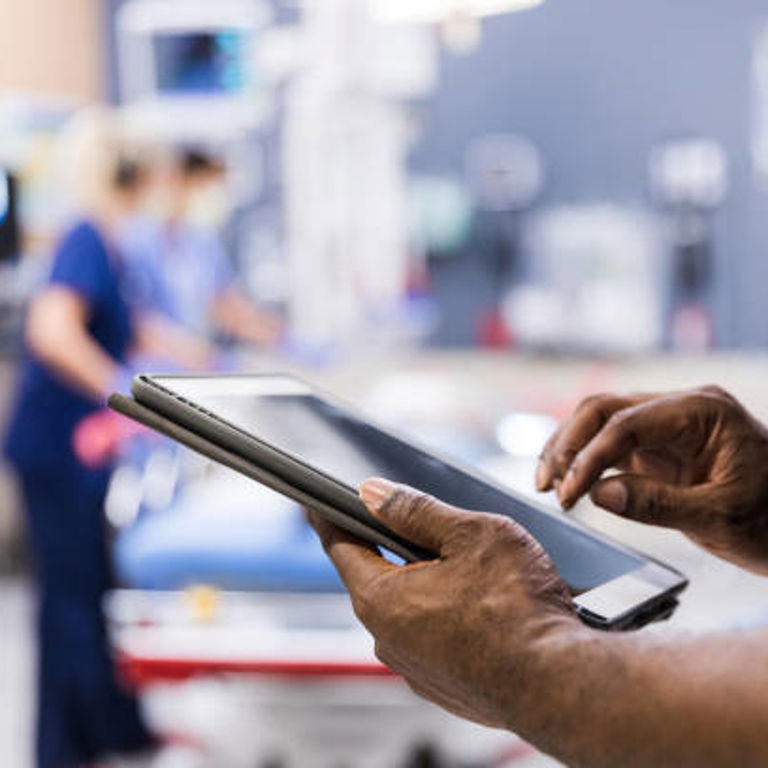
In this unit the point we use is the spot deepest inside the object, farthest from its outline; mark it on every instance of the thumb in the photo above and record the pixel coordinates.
(649, 501)
(417, 517)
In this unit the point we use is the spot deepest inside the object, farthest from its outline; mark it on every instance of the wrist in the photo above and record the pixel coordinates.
(553, 681)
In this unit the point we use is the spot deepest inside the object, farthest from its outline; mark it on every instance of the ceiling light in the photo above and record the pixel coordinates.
(435, 11)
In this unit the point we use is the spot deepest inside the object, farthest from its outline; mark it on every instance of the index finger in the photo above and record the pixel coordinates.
(359, 564)
(574, 433)
(647, 425)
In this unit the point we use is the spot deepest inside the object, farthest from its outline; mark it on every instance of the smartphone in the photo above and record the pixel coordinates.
(313, 448)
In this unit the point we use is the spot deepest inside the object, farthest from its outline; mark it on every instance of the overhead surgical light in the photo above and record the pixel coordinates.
(439, 11)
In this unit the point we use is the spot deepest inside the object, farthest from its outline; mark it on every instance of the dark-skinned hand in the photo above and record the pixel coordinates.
(696, 461)
(462, 628)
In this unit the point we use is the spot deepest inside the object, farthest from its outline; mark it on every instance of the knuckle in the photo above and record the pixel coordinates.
(501, 534)
(620, 423)
(500, 527)
(652, 507)
(407, 506)
(647, 509)
(410, 508)
(471, 527)
(599, 408)
(716, 390)
(617, 421)
(564, 456)
(422, 504)
(593, 402)
(707, 408)
(397, 502)
(714, 401)
(546, 452)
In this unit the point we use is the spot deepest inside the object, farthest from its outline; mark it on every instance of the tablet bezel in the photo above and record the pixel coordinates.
(629, 599)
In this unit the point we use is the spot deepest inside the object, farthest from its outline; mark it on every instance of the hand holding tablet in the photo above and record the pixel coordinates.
(280, 431)
(462, 630)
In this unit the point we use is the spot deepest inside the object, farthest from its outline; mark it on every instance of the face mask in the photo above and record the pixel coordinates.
(158, 204)
(208, 206)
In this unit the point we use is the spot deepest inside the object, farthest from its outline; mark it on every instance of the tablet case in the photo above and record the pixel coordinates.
(137, 412)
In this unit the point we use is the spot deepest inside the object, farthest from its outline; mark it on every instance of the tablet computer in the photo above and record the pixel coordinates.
(281, 431)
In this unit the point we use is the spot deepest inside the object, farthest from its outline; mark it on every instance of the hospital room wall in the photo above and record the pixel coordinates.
(609, 81)
(52, 47)
(596, 83)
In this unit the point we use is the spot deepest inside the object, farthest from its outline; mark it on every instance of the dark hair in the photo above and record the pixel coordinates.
(128, 174)
(193, 162)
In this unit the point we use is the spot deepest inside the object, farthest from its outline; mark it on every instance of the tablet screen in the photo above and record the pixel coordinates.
(341, 445)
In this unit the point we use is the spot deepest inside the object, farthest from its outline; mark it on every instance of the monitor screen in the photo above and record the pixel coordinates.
(202, 63)
(10, 240)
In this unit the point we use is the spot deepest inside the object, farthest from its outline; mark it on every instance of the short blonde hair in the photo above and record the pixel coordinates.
(87, 157)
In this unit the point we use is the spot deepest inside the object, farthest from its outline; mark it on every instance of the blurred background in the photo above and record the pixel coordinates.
(462, 216)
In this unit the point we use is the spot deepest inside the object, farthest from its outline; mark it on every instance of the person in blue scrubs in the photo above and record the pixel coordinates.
(178, 267)
(79, 333)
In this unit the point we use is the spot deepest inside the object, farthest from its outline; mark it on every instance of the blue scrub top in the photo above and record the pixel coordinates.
(48, 409)
(178, 271)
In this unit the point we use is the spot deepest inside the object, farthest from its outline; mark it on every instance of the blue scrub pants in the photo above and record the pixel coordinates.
(83, 713)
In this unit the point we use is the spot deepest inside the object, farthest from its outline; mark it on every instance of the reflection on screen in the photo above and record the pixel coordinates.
(343, 447)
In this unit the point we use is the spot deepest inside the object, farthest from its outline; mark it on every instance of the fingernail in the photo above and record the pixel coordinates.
(611, 495)
(542, 477)
(563, 496)
(566, 489)
(375, 492)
